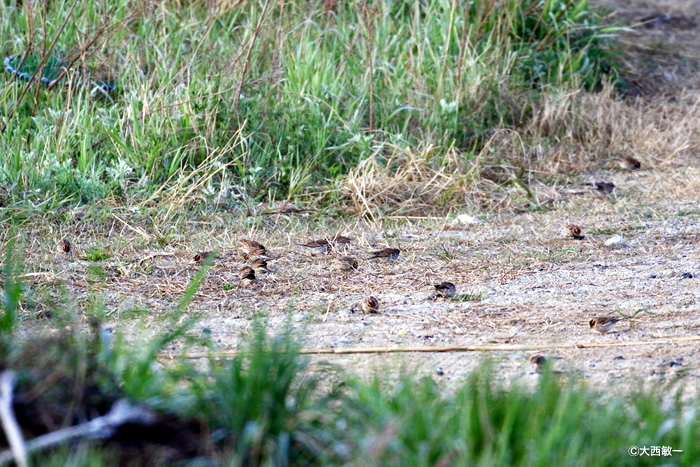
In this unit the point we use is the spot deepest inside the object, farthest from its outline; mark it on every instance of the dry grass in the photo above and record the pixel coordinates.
(568, 134)
(573, 132)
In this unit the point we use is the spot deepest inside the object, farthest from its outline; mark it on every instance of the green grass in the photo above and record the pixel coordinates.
(264, 408)
(97, 254)
(273, 100)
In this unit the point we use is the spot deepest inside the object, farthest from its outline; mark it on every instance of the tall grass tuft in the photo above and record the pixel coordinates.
(262, 401)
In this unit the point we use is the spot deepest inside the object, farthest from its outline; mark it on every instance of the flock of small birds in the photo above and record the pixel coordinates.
(256, 255)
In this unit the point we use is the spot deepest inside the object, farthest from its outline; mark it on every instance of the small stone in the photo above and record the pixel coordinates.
(615, 241)
(619, 357)
(652, 276)
(465, 219)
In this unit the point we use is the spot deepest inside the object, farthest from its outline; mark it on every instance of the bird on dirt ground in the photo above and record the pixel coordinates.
(386, 253)
(64, 246)
(345, 264)
(259, 264)
(370, 305)
(251, 248)
(574, 231)
(286, 208)
(340, 240)
(246, 273)
(324, 245)
(317, 247)
(539, 361)
(629, 163)
(603, 324)
(445, 290)
(201, 256)
(605, 187)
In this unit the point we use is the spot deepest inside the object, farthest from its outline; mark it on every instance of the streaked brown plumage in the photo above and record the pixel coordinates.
(326, 244)
(603, 324)
(445, 290)
(246, 273)
(387, 253)
(64, 246)
(345, 263)
(341, 240)
(573, 231)
(370, 305)
(201, 256)
(259, 264)
(251, 249)
(248, 246)
(317, 246)
(629, 163)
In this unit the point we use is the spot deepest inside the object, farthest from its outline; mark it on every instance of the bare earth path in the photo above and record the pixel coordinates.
(522, 283)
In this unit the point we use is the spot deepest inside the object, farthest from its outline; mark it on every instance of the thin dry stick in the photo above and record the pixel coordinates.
(17, 451)
(477, 348)
(98, 428)
(250, 51)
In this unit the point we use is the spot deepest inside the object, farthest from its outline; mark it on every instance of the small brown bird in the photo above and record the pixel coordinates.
(317, 247)
(345, 263)
(251, 248)
(603, 324)
(629, 163)
(539, 361)
(246, 273)
(64, 246)
(340, 240)
(259, 264)
(324, 245)
(445, 290)
(605, 187)
(286, 208)
(574, 231)
(201, 256)
(386, 253)
(370, 305)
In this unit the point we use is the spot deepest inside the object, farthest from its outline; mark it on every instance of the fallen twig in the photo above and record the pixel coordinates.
(477, 348)
(98, 428)
(18, 450)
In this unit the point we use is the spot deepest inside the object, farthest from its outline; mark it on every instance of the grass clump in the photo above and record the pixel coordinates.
(264, 407)
(271, 98)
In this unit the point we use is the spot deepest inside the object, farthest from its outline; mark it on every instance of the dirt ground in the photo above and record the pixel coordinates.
(520, 281)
